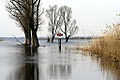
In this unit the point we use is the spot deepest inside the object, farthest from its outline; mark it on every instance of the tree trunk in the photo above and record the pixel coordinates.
(67, 38)
(53, 37)
(35, 41)
(27, 38)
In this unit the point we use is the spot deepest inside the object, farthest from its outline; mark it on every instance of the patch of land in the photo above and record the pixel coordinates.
(1, 40)
(73, 38)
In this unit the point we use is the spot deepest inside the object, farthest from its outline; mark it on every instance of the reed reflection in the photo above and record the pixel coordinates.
(112, 70)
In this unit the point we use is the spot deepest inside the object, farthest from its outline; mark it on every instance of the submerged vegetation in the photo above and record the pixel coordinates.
(108, 46)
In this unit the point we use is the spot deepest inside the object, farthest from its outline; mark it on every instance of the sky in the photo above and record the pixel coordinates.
(91, 16)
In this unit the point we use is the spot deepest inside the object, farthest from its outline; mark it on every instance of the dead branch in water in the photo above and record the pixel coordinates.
(18, 40)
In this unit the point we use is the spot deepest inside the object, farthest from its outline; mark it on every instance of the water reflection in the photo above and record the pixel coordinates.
(38, 65)
(108, 68)
(55, 65)
(57, 72)
(29, 70)
(47, 63)
(112, 69)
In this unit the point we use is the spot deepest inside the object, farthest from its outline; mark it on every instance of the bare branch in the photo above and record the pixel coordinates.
(20, 4)
(70, 27)
(54, 17)
(16, 6)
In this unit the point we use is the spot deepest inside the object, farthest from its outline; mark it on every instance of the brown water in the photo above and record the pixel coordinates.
(48, 63)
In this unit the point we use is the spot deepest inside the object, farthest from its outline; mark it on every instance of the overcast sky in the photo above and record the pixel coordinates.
(91, 16)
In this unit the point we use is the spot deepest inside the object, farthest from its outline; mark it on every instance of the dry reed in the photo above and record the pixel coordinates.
(108, 46)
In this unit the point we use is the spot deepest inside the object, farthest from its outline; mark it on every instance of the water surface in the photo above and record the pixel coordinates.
(48, 63)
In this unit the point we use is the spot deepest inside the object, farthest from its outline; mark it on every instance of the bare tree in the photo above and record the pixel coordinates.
(72, 29)
(27, 14)
(69, 28)
(19, 12)
(35, 20)
(55, 20)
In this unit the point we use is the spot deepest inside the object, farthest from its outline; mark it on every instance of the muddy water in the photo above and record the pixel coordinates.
(48, 63)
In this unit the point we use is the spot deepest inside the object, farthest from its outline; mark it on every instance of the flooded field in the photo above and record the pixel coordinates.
(48, 63)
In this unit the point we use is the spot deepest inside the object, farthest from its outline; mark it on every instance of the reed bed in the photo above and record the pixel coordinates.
(108, 46)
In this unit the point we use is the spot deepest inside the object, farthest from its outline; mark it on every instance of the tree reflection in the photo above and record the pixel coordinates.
(60, 71)
(29, 69)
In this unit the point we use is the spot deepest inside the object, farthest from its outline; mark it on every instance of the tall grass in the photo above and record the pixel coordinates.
(108, 46)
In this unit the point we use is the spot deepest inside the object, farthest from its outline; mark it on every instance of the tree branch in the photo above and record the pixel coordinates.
(16, 7)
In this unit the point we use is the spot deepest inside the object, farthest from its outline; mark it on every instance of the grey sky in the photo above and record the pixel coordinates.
(91, 16)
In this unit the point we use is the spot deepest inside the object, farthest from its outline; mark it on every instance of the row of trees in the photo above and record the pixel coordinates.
(27, 13)
(60, 21)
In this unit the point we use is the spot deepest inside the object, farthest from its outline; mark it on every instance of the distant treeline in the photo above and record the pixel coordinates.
(89, 37)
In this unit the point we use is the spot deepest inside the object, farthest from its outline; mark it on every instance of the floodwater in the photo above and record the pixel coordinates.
(49, 63)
